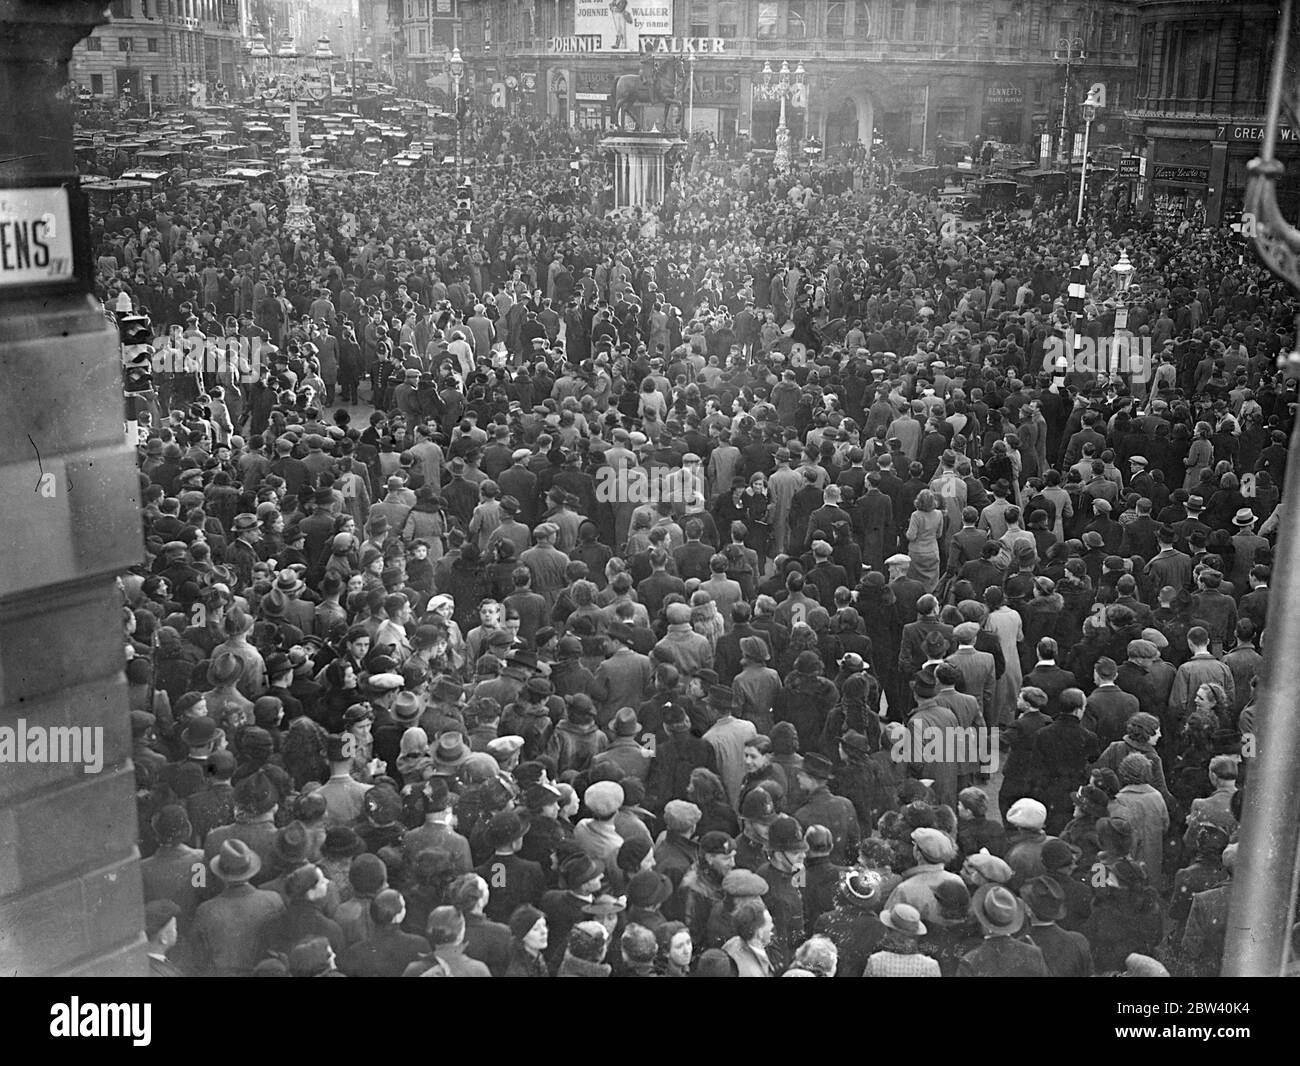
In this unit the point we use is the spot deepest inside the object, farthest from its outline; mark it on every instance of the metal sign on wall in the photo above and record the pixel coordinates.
(35, 237)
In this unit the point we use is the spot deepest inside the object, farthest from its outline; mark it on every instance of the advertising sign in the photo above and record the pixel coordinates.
(620, 24)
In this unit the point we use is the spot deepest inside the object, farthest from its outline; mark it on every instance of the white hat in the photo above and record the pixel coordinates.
(1027, 814)
(897, 559)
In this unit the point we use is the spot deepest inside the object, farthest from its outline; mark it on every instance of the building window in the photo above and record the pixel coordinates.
(948, 26)
(699, 18)
(1251, 74)
(1000, 31)
(153, 84)
(121, 9)
(124, 44)
(921, 27)
(897, 20)
(950, 122)
(728, 19)
(861, 19)
(152, 44)
(97, 84)
(797, 19)
(94, 44)
(423, 40)
(767, 19)
(835, 20)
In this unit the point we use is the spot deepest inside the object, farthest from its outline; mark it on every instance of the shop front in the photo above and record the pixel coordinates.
(1240, 144)
(714, 105)
(592, 90)
(1004, 113)
(1178, 177)
(1179, 191)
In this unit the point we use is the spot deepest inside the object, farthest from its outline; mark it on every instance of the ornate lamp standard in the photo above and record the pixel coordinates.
(1123, 271)
(456, 68)
(1068, 51)
(280, 78)
(1094, 102)
(782, 85)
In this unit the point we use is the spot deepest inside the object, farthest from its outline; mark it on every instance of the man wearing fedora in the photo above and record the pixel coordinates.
(727, 736)
(626, 750)
(256, 800)
(1066, 953)
(580, 879)
(434, 801)
(513, 881)
(821, 807)
(232, 932)
(1001, 915)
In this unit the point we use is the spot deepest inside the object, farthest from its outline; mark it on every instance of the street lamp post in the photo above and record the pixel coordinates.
(690, 95)
(782, 85)
(1091, 105)
(1123, 271)
(456, 68)
(292, 85)
(1067, 51)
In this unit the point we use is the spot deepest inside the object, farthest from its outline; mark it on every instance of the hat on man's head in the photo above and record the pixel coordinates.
(235, 862)
(1027, 813)
(998, 912)
(991, 867)
(603, 798)
(1045, 898)
(934, 845)
(817, 766)
(903, 918)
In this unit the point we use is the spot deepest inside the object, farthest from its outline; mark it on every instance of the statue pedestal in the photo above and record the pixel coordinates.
(640, 178)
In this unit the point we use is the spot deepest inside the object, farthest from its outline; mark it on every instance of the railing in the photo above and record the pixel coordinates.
(1190, 107)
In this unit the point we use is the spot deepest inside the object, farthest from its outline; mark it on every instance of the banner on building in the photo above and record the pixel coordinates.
(620, 24)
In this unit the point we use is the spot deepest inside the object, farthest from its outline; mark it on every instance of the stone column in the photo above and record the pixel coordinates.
(70, 898)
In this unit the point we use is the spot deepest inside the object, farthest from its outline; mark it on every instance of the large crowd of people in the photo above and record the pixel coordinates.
(601, 593)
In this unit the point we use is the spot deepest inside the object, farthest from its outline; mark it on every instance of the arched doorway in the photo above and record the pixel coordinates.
(850, 116)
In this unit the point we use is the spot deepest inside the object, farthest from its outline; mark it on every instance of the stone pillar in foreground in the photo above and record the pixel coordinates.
(70, 899)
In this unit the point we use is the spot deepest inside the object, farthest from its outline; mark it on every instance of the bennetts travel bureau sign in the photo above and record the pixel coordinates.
(593, 42)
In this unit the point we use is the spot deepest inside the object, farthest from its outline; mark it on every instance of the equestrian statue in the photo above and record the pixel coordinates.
(658, 83)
